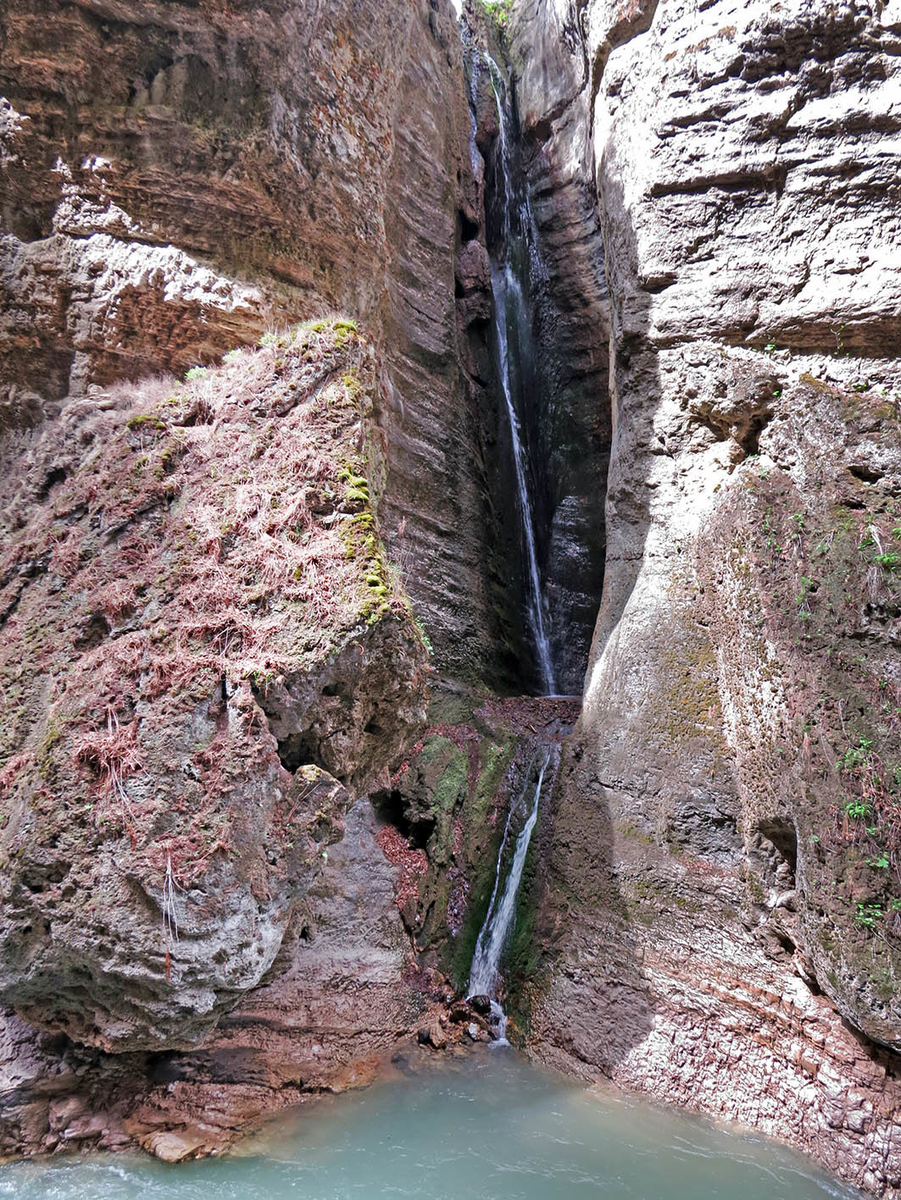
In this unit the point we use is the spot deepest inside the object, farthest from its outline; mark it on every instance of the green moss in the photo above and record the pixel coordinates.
(44, 755)
(687, 704)
(451, 786)
(523, 961)
(456, 955)
(144, 421)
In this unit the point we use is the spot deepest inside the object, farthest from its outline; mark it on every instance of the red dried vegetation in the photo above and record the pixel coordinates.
(412, 864)
(163, 546)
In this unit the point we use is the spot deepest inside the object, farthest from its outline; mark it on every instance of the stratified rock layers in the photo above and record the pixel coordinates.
(726, 885)
(177, 179)
(721, 899)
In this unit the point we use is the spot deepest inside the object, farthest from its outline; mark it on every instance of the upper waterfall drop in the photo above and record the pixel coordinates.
(509, 280)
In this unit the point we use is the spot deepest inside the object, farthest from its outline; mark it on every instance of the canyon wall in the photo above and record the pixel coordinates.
(714, 910)
(176, 183)
(177, 180)
(725, 887)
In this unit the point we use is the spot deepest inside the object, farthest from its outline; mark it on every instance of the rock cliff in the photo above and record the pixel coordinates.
(178, 682)
(177, 180)
(726, 824)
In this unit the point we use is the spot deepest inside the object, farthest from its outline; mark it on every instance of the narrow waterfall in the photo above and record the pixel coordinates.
(509, 279)
(513, 258)
(495, 931)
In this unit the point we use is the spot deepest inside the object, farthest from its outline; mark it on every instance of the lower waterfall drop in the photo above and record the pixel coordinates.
(496, 929)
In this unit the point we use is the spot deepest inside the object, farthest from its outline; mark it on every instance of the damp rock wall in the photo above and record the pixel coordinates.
(725, 848)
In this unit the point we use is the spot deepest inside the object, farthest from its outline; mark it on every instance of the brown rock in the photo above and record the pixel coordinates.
(176, 1145)
(134, 917)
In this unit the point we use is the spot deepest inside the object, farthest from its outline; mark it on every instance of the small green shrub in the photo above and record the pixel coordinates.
(498, 11)
(856, 756)
(868, 914)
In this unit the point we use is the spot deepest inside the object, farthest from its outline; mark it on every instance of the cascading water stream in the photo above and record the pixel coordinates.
(510, 280)
(510, 311)
(498, 921)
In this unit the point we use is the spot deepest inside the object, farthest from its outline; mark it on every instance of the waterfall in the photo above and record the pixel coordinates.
(510, 312)
(513, 261)
(495, 931)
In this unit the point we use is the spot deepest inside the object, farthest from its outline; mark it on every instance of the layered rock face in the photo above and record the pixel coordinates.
(726, 831)
(163, 611)
(208, 655)
(186, 703)
(178, 180)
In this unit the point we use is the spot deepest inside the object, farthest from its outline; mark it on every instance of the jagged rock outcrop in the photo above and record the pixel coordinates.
(344, 991)
(726, 834)
(164, 614)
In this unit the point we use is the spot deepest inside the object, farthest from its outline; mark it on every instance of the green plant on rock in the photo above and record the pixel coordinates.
(357, 489)
(868, 915)
(145, 421)
(890, 560)
(498, 11)
(423, 636)
(856, 756)
(858, 809)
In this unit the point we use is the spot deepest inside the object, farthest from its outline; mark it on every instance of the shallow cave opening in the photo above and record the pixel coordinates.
(750, 439)
(468, 228)
(299, 750)
(865, 473)
(391, 808)
(783, 836)
(95, 630)
(53, 477)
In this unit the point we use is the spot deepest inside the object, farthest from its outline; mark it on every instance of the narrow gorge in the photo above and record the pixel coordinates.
(450, 572)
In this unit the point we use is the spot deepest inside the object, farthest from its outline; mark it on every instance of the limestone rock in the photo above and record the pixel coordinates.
(177, 180)
(162, 567)
(732, 719)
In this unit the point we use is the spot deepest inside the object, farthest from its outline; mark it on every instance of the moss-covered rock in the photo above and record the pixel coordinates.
(450, 798)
